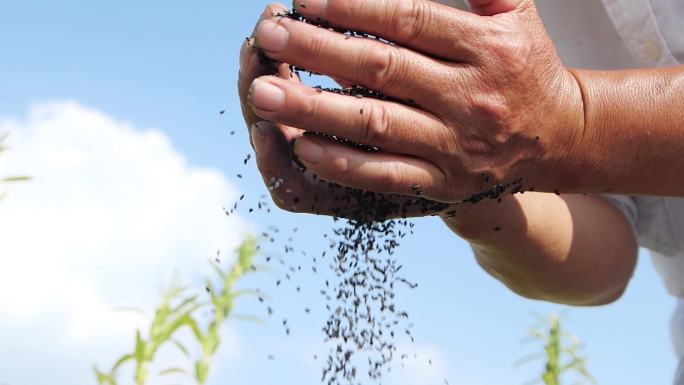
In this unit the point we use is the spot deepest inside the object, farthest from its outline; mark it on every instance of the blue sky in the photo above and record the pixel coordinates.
(151, 77)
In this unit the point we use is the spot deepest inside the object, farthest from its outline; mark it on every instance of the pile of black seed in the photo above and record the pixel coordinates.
(364, 321)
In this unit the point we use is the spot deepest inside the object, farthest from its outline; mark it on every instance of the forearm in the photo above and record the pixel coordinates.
(633, 138)
(570, 249)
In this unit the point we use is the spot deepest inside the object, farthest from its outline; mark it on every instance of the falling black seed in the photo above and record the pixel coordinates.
(360, 293)
(239, 175)
(222, 112)
(497, 228)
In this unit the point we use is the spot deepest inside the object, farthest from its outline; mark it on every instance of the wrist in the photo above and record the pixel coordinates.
(632, 138)
(568, 128)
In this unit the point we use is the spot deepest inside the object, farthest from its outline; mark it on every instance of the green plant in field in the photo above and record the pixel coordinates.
(179, 309)
(561, 353)
(8, 179)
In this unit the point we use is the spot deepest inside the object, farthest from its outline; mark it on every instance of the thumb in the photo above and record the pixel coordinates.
(494, 7)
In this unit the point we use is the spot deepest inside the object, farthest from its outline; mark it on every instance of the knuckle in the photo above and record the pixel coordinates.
(381, 66)
(395, 178)
(490, 108)
(315, 46)
(377, 124)
(511, 52)
(413, 18)
(309, 107)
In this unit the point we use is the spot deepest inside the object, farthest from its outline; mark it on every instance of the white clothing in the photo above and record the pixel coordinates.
(618, 34)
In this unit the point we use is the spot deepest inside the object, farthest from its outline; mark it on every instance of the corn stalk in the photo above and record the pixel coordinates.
(222, 300)
(177, 310)
(561, 354)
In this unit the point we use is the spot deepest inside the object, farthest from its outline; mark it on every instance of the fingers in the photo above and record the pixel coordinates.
(285, 183)
(299, 192)
(374, 171)
(391, 126)
(494, 7)
(386, 68)
(251, 67)
(425, 26)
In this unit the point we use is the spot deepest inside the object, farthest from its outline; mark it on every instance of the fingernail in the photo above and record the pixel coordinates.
(258, 133)
(309, 7)
(308, 151)
(265, 96)
(271, 36)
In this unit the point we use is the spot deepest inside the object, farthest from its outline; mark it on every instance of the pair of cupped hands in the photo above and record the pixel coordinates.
(491, 103)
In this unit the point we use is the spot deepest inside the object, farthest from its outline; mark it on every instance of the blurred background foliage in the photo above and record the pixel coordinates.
(180, 308)
(12, 178)
(561, 354)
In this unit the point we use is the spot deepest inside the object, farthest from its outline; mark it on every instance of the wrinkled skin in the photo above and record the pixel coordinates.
(493, 103)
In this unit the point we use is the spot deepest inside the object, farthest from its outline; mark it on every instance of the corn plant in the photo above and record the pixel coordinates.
(561, 354)
(179, 309)
(8, 179)
(222, 301)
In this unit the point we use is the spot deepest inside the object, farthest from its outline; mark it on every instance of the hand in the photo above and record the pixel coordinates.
(496, 106)
(291, 189)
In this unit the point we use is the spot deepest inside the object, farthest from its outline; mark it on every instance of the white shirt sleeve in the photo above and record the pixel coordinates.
(651, 220)
(627, 205)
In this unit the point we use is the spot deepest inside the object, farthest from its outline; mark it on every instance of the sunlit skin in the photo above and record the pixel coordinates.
(492, 98)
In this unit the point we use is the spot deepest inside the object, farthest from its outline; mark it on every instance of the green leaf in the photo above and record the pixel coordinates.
(139, 347)
(218, 270)
(170, 328)
(201, 371)
(102, 378)
(121, 361)
(249, 318)
(181, 308)
(250, 293)
(174, 370)
(15, 179)
(527, 359)
(181, 347)
(132, 310)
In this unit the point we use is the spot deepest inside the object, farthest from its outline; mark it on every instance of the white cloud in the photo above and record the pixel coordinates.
(111, 212)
